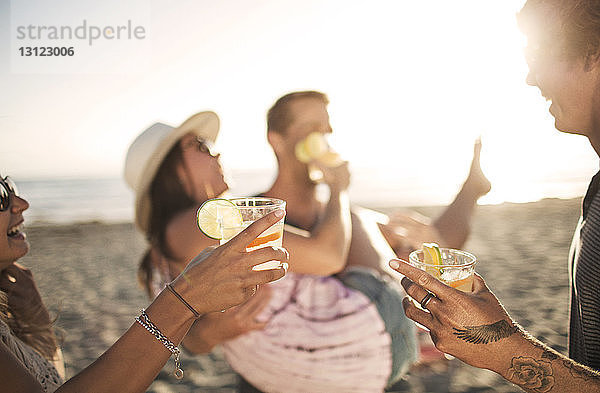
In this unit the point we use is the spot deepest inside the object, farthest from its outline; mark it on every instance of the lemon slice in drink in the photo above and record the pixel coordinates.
(432, 256)
(215, 214)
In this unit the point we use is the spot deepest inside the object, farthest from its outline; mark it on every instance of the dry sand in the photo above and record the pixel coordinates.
(87, 273)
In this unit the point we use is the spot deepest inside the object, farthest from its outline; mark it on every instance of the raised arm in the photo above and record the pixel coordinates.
(217, 279)
(323, 251)
(475, 328)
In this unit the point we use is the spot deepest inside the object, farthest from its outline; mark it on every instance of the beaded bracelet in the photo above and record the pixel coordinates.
(145, 321)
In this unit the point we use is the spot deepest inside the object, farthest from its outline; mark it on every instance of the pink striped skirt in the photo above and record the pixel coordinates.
(321, 337)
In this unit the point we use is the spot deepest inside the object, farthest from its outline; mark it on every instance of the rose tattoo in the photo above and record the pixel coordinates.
(531, 374)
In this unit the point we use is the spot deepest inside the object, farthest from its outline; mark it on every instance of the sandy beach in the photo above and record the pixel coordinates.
(87, 274)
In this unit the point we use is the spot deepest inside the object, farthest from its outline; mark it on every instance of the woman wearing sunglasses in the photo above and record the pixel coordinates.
(30, 360)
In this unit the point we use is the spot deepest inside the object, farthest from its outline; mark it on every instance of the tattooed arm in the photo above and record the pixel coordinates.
(537, 368)
(475, 328)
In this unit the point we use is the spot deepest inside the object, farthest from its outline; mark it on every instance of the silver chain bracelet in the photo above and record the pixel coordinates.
(145, 321)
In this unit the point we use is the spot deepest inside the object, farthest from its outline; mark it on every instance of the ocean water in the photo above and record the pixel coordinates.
(61, 201)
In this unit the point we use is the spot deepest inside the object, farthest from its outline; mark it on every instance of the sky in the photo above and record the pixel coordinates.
(411, 85)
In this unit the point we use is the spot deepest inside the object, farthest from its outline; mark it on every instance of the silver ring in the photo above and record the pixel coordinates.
(426, 300)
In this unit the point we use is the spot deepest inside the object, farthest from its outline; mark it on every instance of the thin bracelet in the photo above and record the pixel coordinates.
(189, 306)
(145, 321)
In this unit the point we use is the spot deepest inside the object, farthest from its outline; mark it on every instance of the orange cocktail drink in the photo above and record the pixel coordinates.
(251, 209)
(455, 268)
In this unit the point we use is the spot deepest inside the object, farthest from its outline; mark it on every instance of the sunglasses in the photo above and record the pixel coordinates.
(202, 146)
(7, 187)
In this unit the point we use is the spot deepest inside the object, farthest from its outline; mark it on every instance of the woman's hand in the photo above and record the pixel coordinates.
(217, 327)
(407, 231)
(241, 319)
(473, 326)
(222, 277)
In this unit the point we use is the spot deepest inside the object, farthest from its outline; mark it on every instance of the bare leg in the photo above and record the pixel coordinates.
(454, 224)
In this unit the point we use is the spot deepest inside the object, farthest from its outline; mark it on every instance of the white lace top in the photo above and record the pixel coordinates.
(38, 366)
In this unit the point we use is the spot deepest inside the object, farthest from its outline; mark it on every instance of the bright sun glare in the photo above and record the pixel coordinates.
(412, 85)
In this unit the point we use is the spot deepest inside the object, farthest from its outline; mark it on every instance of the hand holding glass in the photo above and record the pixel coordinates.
(251, 209)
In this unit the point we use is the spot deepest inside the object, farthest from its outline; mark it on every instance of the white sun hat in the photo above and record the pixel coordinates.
(147, 152)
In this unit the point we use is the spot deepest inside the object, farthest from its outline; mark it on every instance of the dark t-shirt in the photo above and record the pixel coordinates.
(584, 276)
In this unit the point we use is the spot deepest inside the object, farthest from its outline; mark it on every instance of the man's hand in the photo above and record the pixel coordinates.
(473, 326)
(337, 177)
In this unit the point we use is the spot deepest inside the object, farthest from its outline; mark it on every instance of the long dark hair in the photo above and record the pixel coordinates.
(167, 198)
(41, 338)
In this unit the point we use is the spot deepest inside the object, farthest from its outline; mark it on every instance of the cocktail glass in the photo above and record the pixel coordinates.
(456, 269)
(253, 208)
